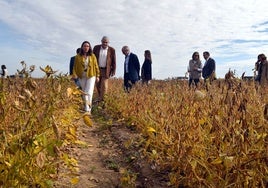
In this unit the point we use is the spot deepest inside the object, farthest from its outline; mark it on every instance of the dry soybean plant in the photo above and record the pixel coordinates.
(215, 136)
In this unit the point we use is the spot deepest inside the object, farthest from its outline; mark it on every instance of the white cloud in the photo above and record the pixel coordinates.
(48, 32)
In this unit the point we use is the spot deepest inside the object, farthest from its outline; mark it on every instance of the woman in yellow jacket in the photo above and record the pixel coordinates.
(86, 69)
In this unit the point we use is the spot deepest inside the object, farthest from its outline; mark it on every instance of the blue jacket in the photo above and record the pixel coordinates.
(71, 65)
(208, 68)
(133, 67)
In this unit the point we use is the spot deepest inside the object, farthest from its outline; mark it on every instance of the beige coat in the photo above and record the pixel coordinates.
(195, 69)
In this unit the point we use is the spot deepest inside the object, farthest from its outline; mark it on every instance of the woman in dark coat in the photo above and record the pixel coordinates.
(263, 70)
(146, 69)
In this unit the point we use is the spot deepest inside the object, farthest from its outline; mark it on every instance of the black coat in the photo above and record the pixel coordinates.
(71, 65)
(133, 67)
(208, 68)
(146, 70)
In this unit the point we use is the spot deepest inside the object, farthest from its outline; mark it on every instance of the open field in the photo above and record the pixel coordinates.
(213, 137)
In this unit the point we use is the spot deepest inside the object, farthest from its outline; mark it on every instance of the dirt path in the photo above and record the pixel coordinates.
(112, 159)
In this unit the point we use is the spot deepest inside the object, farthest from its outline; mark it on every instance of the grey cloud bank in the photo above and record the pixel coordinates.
(48, 32)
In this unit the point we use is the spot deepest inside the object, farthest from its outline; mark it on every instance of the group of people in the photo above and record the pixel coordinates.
(98, 64)
(261, 69)
(196, 69)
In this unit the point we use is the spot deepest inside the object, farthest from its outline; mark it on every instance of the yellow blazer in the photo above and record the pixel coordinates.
(92, 69)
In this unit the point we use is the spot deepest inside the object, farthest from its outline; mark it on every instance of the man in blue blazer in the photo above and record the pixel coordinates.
(131, 68)
(208, 71)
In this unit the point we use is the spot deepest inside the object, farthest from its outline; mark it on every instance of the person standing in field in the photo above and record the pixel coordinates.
(208, 71)
(194, 69)
(263, 70)
(131, 68)
(106, 59)
(71, 66)
(257, 74)
(146, 69)
(87, 71)
(4, 72)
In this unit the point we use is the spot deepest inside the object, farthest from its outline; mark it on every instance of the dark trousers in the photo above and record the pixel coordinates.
(128, 83)
(195, 82)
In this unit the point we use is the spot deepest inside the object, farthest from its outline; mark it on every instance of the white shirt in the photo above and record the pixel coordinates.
(85, 62)
(206, 61)
(126, 63)
(103, 57)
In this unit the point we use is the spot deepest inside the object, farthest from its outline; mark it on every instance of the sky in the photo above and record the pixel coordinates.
(48, 32)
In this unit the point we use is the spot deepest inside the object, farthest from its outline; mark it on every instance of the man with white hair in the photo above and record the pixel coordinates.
(131, 68)
(106, 58)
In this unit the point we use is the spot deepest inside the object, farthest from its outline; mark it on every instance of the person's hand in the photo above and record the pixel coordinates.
(97, 79)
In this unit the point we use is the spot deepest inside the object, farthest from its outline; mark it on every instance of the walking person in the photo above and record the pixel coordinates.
(146, 69)
(208, 71)
(87, 71)
(71, 66)
(4, 72)
(106, 59)
(195, 69)
(131, 68)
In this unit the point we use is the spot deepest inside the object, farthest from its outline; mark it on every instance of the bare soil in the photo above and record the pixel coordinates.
(113, 158)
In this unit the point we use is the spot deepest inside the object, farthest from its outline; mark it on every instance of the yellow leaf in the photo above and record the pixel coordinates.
(242, 137)
(36, 142)
(78, 92)
(74, 181)
(72, 131)
(70, 136)
(65, 158)
(69, 92)
(193, 164)
(81, 143)
(17, 103)
(37, 149)
(217, 161)
(202, 121)
(151, 129)
(8, 164)
(88, 121)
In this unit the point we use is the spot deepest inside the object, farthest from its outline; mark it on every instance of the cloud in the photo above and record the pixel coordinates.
(48, 32)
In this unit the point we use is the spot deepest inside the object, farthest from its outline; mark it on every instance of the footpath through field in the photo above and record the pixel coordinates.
(110, 158)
